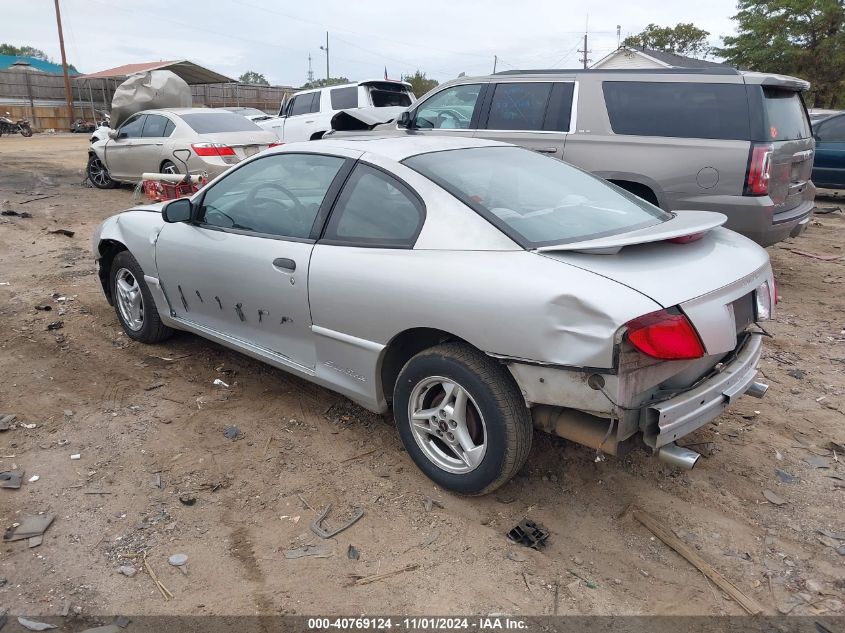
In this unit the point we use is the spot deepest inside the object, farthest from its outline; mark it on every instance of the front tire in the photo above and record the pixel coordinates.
(98, 174)
(26, 131)
(462, 418)
(135, 307)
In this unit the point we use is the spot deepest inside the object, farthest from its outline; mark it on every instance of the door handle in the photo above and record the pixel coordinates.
(284, 263)
(311, 121)
(547, 150)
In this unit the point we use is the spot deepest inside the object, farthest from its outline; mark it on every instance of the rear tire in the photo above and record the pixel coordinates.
(135, 307)
(98, 174)
(169, 167)
(462, 418)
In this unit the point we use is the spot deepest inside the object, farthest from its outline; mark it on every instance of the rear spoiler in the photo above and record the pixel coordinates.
(360, 119)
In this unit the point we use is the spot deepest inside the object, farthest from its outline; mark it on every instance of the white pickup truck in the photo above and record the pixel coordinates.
(307, 115)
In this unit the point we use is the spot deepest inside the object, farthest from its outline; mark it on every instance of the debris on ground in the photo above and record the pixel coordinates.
(33, 479)
(220, 383)
(665, 535)
(16, 214)
(589, 583)
(28, 527)
(797, 373)
(516, 557)
(55, 325)
(312, 549)
(817, 461)
(24, 425)
(164, 591)
(785, 477)
(177, 560)
(187, 499)
(771, 497)
(529, 534)
(6, 421)
(65, 232)
(33, 625)
(431, 538)
(824, 258)
(366, 580)
(232, 432)
(76, 456)
(11, 479)
(127, 570)
(430, 502)
(352, 553)
(323, 532)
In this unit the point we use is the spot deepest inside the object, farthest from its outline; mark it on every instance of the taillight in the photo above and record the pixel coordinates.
(759, 170)
(686, 239)
(775, 290)
(665, 335)
(212, 149)
(764, 300)
(272, 145)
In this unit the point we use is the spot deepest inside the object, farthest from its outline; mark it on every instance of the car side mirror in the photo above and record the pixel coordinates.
(404, 120)
(178, 210)
(112, 134)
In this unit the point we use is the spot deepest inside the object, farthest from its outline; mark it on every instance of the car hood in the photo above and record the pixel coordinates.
(671, 274)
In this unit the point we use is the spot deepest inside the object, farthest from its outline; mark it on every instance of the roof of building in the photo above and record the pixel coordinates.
(39, 65)
(192, 73)
(666, 58)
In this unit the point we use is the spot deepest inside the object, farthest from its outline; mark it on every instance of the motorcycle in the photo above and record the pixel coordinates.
(8, 126)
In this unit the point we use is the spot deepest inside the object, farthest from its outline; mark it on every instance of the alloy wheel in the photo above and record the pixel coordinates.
(129, 299)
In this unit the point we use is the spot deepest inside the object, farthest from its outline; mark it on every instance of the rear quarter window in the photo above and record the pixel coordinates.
(344, 98)
(680, 110)
(209, 123)
(785, 115)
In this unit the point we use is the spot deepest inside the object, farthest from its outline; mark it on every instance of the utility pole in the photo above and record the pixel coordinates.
(585, 60)
(310, 70)
(68, 92)
(325, 48)
(495, 62)
(618, 35)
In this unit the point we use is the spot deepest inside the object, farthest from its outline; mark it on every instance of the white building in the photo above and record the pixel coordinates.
(630, 57)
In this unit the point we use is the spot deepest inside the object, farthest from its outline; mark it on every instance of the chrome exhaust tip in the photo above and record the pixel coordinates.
(678, 456)
(757, 389)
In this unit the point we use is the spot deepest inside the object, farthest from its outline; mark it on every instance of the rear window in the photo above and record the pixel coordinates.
(211, 122)
(534, 199)
(786, 118)
(680, 110)
(385, 96)
(344, 98)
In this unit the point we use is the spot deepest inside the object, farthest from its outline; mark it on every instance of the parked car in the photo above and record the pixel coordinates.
(253, 114)
(819, 114)
(307, 114)
(477, 287)
(829, 166)
(712, 139)
(145, 142)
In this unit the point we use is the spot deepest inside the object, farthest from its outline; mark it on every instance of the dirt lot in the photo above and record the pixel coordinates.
(138, 414)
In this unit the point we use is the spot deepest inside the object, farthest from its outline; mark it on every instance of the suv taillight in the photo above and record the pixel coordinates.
(759, 170)
(665, 335)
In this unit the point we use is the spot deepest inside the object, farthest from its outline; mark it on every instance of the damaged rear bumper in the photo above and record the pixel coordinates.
(669, 420)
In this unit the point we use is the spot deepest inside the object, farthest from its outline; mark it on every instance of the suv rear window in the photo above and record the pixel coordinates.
(209, 123)
(786, 118)
(385, 95)
(679, 110)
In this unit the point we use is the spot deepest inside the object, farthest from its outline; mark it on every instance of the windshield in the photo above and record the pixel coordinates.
(786, 116)
(211, 122)
(534, 199)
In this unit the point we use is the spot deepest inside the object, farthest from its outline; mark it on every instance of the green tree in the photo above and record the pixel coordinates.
(23, 51)
(805, 38)
(252, 77)
(322, 83)
(420, 83)
(682, 39)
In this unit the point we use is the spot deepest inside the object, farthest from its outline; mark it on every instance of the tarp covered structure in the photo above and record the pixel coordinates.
(189, 71)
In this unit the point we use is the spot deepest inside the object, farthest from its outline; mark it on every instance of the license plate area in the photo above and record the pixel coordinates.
(743, 311)
(250, 150)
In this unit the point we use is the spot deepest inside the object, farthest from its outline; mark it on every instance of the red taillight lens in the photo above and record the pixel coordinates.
(686, 239)
(271, 145)
(665, 335)
(759, 170)
(212, 149)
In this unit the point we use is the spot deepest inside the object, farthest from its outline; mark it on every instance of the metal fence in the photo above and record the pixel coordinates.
(41, 97)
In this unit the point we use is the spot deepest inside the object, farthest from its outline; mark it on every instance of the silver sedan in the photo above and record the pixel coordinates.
(172, 141)
(479, 289)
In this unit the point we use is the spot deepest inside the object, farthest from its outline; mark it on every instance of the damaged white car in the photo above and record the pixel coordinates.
(479, 289)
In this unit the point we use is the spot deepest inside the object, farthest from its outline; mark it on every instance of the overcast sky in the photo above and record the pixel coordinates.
(440, 37)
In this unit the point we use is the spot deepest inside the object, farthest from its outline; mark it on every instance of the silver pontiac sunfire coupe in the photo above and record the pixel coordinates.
(478, 288)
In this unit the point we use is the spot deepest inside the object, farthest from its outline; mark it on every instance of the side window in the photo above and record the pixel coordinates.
(449, 109)
(559, 112)
(375, 209)
(315, 102)
(300, 104)
(156, 126)
(344, 98)
(832, 131)
(677, 109)
(168, 129)
(275, 195)
(519, 106)
(132, 128)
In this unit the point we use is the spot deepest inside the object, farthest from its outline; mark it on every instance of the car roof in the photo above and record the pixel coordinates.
(395, 148)
(181, 111)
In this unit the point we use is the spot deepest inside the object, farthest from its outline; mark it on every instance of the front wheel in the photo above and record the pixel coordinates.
(462, 418)
(98, 174)
(133, 302)
(26, 130)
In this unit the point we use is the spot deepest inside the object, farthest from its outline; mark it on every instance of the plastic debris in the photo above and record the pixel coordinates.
(77, 456)
(28, 426)
(177, 560)
(32, 625)
(529, 534)
(771, 497)
(220, 383)
(232, 432)
(33, 479)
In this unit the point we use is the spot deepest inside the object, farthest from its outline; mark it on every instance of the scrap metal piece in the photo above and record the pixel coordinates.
(529, 534)
(29, 526)
(320, 531)
(11, 479)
